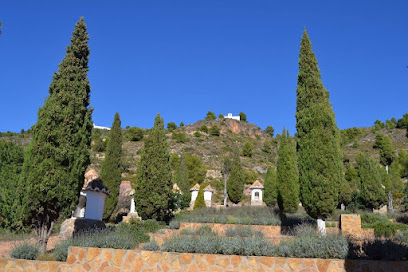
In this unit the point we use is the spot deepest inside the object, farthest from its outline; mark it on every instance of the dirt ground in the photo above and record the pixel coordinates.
(7, 246)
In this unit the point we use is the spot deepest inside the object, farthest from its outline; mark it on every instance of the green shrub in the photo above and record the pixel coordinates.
(179, 137)
(314, 246)
(204, 129)
(232, 220)
(204, 230)
(197, 134)
(151, 246)
(25, 251)
(214, 131)
(174, 224)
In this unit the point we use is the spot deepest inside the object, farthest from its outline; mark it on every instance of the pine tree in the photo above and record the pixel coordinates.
(404, 204)
(318, 140)
(270, 188)
(181, 178)
(153, 188)
(247, 149)
(56, 160)
(387, 151)
(199, 202)
(236, 181)
(372, 194)
(111, 169)
(287, 175)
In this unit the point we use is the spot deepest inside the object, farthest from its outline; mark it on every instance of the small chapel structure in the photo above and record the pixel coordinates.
(256, 193)
(208, 193)
(194, 192)
(92, 197)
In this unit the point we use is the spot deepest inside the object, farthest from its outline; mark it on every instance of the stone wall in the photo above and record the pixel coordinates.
(268, 231)
(350, 225)
(96, 259)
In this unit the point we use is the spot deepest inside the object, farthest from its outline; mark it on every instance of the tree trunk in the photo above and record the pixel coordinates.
(321, 226)
(390, 206)
(386, 168)
(225, 192)
(43, 233)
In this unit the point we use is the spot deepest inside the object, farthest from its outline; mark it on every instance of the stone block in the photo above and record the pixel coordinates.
(73, 226)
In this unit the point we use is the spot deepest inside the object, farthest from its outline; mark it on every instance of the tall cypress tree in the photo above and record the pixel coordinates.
(318, 140)
(387, 151)
(199, 202)
(56, 160)
(236, 181)
(111, 170)
(287, 175)
(372, 194)
(153, 188)
(181, 178)
(270, 188)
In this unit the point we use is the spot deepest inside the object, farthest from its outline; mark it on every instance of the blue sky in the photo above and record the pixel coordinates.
(183, 58)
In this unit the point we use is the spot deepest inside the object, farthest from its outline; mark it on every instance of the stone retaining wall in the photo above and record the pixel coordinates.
(268, 231)
(97, 259)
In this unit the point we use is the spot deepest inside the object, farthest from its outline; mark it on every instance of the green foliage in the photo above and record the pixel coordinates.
(270, 131)
(403, 162)
(236, 181)
(214, 131)
(267, 147)
(25, 251)
(318, 139)
(174, 161)
(195, 168)
(210, 116)
(182, 180)
(382, 227)
(403, 122)
(351, 175)
(199, 202)
(11, 162)
(387, 151)
(242, 232)
(404, 204)
(197, 134)
(171, 126)
(111, 169)
(242, 116)
(204, 129)
(270, 196)
(378, 125)
(247, 149)
(179, 137)
(221, 116)
(135, 134)
(346, 193)
(350, 135)
(154, 176)
(287, 175)
(58, 154)
(390, 124)
(181, 124)
(250, 176)
(372, 194)
(98, 144)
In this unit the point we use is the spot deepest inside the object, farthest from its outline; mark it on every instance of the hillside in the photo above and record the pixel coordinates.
(233, 134)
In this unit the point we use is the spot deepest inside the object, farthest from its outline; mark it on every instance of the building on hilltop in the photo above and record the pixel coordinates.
(100, 127)
(230, 116)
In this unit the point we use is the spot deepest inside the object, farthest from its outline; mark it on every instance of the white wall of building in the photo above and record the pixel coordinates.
(208, 195)
(132, 205)
(253, 195)
(95, 203)
(194, 195)
(230, 116)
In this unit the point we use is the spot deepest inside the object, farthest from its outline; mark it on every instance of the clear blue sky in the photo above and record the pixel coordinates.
(183, 58)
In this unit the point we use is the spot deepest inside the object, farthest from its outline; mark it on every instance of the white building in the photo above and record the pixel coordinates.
(194, 192)
(100, 127)
(230, 116)
(92, 197)
(208, 193)
(256, 194)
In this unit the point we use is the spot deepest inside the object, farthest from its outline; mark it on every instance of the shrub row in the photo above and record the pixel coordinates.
(25, 251)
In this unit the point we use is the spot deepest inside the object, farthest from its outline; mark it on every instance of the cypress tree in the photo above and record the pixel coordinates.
(318, 140)
(270, 188)
(199, 202)
(181, 178)
(111, 169)
(287, 175)
(387, 151)
(236, 181)
(56, 160)
(153, 188)
(371, 192)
